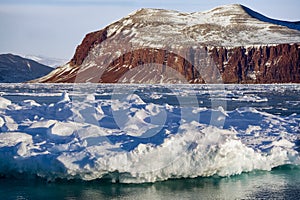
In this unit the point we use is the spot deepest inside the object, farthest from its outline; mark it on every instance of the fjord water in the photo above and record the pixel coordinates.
(280, 183)
(253, 155)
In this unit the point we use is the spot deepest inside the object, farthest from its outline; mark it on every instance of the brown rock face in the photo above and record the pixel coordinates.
(88, 42)
(163, 46)
(150, 58)
(264, 64)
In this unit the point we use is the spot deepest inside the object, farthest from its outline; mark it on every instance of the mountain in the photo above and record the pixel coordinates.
(228, 44)
(51, 62)
(16, 69)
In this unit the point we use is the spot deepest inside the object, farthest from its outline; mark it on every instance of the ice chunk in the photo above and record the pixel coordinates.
(153, 109)
(9, 124)
(133, 98)
(64, 98)
(29, 103)
(22, 149)
(8, 139)
(1, 122)
(90, 97)
(61, 130)
(252, 129)
(283, 143)
(4, 103)
(43, 124)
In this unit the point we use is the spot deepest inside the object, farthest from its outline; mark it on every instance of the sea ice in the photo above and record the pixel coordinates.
(133, 140)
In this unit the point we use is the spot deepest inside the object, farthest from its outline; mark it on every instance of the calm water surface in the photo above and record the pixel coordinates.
(281, 183)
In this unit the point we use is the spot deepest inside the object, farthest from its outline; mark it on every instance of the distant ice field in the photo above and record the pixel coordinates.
(279, 99)
(146, 133)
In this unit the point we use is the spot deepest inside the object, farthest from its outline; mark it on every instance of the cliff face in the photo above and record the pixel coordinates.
(88, 42)
(225, 45)
(264, 64)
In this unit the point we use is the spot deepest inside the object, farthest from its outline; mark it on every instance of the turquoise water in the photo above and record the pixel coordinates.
(280, 183)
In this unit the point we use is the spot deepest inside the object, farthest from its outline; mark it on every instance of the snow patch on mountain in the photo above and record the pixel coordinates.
(51, 62)
(230, 26)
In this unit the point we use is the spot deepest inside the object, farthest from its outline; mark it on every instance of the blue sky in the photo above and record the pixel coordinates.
(54, 28)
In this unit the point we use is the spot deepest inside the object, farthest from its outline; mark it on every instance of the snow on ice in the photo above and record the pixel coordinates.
(135, 140)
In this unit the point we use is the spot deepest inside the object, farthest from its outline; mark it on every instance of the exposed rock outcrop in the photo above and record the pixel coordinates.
(229, 44)
(263, 64)
(88, 42)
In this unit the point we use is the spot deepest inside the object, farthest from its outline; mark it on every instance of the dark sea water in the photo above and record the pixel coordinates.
(262, 116)
(280, 183)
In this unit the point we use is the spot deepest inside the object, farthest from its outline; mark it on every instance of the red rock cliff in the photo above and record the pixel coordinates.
(264, 64)
(203, 47)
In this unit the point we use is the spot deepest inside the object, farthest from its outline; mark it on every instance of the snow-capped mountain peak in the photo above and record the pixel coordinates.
(229, 25)
(244, 46)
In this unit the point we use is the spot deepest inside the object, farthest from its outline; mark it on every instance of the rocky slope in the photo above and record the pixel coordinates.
(229, 44)
(16, 69)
